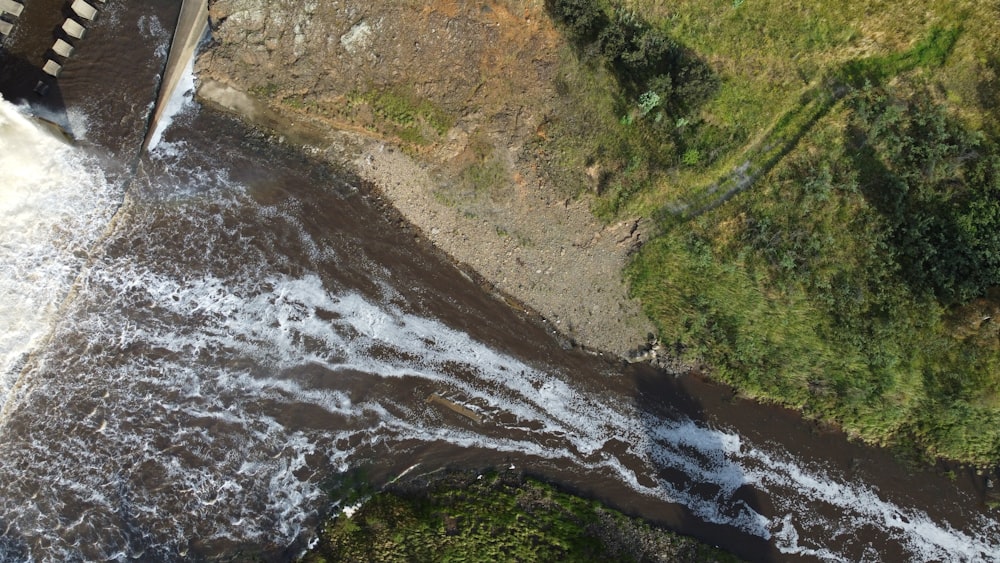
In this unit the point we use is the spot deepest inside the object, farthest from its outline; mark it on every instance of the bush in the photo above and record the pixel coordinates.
(582, 19)
(939, 187)
(643, 58)
(495, 517)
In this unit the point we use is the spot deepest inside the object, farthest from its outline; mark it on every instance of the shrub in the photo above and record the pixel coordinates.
(939, 187)
(583, 19)
(643, 57)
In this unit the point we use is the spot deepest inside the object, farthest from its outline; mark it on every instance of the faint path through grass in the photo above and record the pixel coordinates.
(815, 103)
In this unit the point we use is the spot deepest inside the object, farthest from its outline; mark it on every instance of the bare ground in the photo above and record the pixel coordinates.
(552, 255)
(489, 68)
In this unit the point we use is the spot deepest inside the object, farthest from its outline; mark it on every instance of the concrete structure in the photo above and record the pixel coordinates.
(73, 29)
(52, 68)
(11, 7)
(192, 23)
(82, 9)
(62, 48)
(5, 27)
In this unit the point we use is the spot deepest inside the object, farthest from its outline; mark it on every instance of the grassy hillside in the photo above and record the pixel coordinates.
(827, 192)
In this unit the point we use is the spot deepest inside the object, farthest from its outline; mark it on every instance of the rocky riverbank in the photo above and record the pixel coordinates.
(440, 104)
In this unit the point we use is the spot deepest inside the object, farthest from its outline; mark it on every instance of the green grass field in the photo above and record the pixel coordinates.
(828, 215)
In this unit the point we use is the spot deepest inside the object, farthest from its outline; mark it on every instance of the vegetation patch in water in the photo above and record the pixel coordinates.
(495, 517)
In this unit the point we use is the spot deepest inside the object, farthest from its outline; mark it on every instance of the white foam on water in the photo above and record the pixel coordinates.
(169, 149)
(268, 323)
(858, 506)
(54, 203)
(277, 322)
(196, 413)
(152, 30)
(272, 326)
(74, 120)
(286, 323)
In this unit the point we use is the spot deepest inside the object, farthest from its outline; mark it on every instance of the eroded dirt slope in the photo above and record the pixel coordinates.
(441, 104)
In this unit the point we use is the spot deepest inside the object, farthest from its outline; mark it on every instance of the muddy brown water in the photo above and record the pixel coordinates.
(251, 323)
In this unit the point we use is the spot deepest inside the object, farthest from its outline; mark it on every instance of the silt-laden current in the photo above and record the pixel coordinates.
(199, 338)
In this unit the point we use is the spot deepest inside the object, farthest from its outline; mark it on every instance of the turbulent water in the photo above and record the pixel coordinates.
(50, 222)
(250, 326)
(187, 359)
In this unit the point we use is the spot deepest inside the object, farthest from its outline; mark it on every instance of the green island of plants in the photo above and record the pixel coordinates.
(495, 517)
(824, 178)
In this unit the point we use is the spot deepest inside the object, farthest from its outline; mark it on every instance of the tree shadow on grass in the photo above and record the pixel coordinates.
(644, 59)
(936, 185)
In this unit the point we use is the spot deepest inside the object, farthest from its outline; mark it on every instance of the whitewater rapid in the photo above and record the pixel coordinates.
(250, 326)
(55, 202)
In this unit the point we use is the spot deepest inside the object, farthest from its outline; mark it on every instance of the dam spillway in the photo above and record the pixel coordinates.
(71, 30)
(9, 10)
(192, 23)
(55, 37)
(62, 49)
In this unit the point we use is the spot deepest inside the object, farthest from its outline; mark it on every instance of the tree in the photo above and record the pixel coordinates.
(583, 18)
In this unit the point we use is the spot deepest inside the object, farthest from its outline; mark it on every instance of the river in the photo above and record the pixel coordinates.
(198, 338)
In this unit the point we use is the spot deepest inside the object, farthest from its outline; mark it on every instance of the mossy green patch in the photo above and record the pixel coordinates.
(399, 112)
(806, 291)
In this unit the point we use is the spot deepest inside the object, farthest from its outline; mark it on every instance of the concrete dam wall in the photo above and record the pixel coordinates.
(192, 23)
(42, 40)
